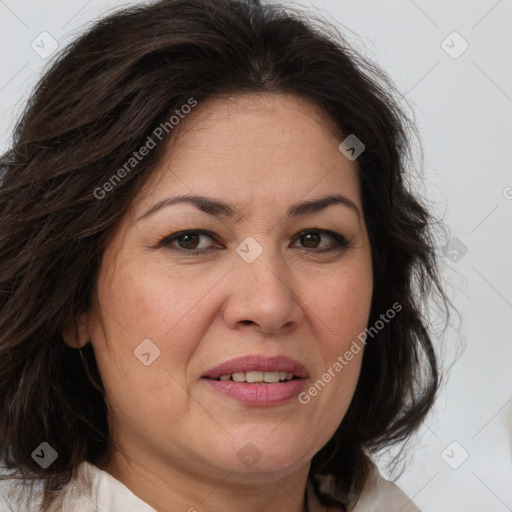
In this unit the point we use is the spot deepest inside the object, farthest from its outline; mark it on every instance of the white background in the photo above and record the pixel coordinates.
(463, 108)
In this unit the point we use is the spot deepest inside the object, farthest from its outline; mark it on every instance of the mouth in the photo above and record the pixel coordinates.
(258, 380)
(258, 368)
(255, 377)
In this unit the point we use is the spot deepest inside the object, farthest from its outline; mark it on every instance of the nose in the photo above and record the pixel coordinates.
(263, 296)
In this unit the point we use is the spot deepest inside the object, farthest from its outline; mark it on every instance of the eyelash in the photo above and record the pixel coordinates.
(339, 241)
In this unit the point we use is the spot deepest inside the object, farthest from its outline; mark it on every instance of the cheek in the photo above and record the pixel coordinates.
(343, 305)
(139, 305)
(151, 301)
(343, 309)
(170, 307)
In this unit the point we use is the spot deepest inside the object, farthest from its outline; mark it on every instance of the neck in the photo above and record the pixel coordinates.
(168, 488)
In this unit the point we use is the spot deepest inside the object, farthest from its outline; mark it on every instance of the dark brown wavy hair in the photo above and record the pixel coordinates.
(98, 102)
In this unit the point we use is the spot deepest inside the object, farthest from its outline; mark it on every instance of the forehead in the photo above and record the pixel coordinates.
(251, 121)
(254, 148)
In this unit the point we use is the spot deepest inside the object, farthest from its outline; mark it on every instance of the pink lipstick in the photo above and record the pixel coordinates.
(258, 380)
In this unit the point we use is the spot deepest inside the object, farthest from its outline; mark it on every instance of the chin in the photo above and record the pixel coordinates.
(261, 452)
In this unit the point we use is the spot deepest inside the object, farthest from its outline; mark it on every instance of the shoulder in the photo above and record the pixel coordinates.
(77, 496)
(378, 495)
(381, 495)
(94, 489)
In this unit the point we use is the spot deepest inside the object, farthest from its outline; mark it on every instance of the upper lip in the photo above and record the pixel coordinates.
(258, 363)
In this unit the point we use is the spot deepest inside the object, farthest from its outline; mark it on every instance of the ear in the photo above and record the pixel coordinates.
(80, 338)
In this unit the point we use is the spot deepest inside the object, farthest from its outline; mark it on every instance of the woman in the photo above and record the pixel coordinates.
(212, 271)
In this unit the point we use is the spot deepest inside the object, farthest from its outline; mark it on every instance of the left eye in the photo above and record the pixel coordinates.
(188, 241)
(315, 234)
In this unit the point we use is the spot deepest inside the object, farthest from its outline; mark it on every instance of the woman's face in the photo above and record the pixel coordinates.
(168, 316)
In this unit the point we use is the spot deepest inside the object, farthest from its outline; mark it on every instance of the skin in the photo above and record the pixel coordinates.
(261, 153)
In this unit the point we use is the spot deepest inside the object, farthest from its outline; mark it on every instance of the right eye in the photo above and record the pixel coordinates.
(188, 241)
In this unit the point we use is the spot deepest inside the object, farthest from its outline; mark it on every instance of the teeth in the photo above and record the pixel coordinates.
(254, 376)
(269, 377)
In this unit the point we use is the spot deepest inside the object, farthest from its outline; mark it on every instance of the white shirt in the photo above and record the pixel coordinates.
(95, 490)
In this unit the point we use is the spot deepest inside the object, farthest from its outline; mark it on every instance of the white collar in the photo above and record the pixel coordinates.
(95, 490)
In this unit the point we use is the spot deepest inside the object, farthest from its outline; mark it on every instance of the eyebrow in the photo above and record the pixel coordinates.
(221, 209)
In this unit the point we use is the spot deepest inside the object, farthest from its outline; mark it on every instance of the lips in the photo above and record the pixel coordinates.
(251, 380)
(258, 363)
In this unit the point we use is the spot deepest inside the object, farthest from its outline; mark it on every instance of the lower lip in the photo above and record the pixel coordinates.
(259, 394)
